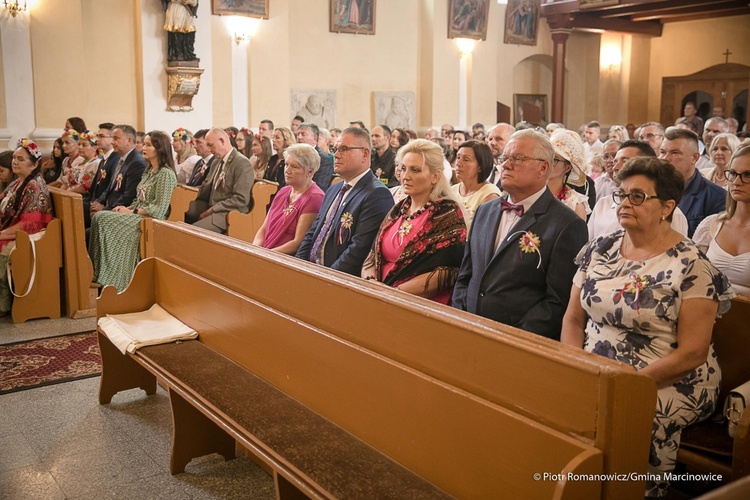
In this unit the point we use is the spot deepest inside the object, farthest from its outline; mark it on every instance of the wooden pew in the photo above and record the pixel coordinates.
(471, 406)
(78, 271)
(41, 299)
(707, 446)
(180, 201)
(244, 226)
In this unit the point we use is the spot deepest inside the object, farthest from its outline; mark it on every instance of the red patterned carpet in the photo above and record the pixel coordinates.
(25, 365)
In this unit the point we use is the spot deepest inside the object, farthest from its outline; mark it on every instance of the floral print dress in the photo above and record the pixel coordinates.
(633, 308)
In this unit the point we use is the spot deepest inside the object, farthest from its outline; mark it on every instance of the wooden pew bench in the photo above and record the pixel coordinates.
(180, 202)
(78, 271)
(707, 446)
(466, 405)
(244, 226)
(40, 297)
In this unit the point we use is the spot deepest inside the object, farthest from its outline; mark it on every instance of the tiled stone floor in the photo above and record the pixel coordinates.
(57, 442)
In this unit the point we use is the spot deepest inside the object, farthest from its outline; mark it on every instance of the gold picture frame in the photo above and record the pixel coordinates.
(352, 16)
(248, 8)
(468, 19)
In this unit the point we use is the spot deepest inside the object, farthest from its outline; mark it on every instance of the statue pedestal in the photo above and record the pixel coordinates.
(183, 82)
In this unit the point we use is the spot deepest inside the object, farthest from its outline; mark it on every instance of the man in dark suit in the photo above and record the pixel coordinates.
(227, 187)
(308, 133)
(518, 263)
(127, 172)
(104, 171)
(351, 213)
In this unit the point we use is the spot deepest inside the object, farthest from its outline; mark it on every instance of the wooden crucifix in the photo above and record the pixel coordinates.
(726, 54)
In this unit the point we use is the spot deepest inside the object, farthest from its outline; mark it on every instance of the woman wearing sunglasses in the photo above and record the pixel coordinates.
(725, 237)
(646, 296)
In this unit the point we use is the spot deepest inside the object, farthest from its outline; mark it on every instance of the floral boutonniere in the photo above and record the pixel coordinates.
(118, 182)
(634, 286)
(288, 210)
(102, 174)
(529, 243)
(221, 179)
(346, 223)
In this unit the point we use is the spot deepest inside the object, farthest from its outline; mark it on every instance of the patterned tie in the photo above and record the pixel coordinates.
(216, 180)
(506, 206)
(328, 222)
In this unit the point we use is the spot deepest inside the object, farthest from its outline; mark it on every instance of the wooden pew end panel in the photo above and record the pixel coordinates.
(43, 300)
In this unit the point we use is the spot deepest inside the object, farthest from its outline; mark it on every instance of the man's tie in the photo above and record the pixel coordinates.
(216, 180)
(328, 222)
(506, 206)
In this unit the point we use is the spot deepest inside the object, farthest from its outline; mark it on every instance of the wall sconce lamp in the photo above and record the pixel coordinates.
(242, 28)
(610, 57)
(14, 6)
(465, 45)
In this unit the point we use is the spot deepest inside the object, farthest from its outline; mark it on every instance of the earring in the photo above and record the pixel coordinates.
(663, 218)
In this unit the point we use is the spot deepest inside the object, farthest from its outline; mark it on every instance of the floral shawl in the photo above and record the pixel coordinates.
(438, 247)
(34, 211)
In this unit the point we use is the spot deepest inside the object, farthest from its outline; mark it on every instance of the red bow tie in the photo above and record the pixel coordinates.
(506, 206)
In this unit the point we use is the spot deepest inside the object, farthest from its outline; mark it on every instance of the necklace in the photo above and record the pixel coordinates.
(655, 248)
(406, 225)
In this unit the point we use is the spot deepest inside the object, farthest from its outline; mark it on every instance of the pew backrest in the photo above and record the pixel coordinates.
(180, 201)
(578, 394)
(78, 270)
(245, 226)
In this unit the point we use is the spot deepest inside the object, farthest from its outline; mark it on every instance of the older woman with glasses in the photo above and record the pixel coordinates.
(647, 296)
(725, 237)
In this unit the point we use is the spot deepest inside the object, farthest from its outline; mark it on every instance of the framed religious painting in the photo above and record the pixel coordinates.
(593, 4)
(530, 108)
(521, 22)
(468, 19)
(352, 16)
(249, 8)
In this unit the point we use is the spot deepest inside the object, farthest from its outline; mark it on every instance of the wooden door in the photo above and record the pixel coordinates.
(722, 82)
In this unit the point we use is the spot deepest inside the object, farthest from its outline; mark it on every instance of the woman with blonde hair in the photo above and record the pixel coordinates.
(185, 155)
(282, 139)
(618, 133)
(721, 150)
(420, 244)
(725, 237)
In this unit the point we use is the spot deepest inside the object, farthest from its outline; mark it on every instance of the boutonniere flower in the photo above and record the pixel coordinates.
(633, 286)
(346, 223)
(529, 243)
(141, 193)
(102, 174)
(118, 182)
(288, 210)
(221, 179)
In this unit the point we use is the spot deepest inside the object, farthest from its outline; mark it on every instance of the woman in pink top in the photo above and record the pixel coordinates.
(296, 205)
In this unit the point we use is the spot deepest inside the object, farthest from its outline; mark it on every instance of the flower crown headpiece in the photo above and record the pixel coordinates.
(247, 132)
(181, 135)
(88, 135)
(72, 134)
(30, 147)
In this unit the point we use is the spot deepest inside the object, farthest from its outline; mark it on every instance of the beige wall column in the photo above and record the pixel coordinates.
(464, 83)
(18, 77)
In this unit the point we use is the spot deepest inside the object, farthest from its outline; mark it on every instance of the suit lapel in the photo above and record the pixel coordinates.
(687, 201)
(524, 224)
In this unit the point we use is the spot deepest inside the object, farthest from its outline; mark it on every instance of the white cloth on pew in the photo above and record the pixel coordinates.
(129, 332)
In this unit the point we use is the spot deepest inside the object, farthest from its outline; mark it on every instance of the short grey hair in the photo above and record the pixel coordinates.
(542, 149)
(305, 154)
(359, 133)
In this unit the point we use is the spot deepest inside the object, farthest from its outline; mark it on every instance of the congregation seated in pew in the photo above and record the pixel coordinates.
(296, 205)
(115, 234)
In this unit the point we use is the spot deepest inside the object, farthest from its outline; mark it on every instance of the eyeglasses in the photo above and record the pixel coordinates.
(344, 149)
(636, 198)
(516, 160)
(650, 136)
(608, 157)
(560, 160)
(731, 175)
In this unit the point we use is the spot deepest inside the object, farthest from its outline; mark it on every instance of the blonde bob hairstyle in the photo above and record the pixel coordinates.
(432, 157)
(305, 155)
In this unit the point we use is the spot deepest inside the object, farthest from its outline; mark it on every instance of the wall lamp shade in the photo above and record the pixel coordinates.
(14, 6)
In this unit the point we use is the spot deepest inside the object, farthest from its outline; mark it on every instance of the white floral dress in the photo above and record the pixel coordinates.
(632, 309)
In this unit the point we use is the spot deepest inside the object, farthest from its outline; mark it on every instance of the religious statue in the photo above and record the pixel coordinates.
(180, 27)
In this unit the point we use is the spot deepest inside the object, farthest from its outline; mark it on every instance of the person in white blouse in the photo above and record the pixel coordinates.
(185, 156)
(603, 219)
(725, 237)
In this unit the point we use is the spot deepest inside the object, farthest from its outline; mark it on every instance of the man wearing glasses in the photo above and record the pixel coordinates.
(351, 213)
(653, 133)
(519, 260)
